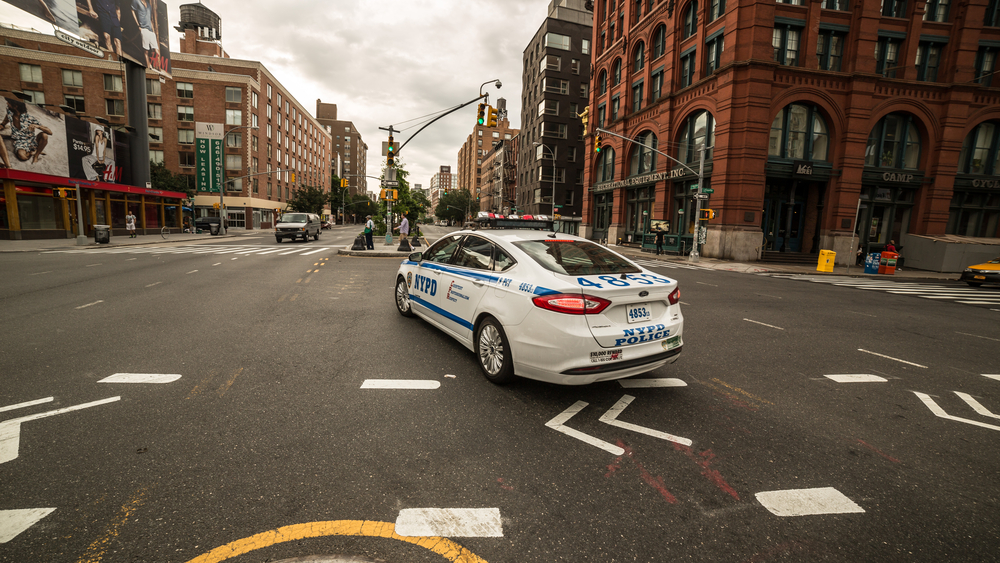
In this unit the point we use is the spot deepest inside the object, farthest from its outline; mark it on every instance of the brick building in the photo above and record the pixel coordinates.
(441, 182)
(476, 146)
(499, 178)
(810, 113)
(350, 152)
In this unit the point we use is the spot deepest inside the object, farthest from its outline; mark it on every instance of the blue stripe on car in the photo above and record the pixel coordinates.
(454, 318)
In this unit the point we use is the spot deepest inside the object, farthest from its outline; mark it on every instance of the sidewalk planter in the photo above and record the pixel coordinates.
(826, 259)
(887, 263)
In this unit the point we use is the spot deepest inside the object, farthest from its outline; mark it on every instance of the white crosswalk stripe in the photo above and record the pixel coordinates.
(667, 264)
(240, 250)
(958, 294)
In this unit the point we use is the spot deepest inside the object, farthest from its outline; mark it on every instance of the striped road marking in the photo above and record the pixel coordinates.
(807, 502)
(13, 522)
(141, 378)
(400, 384)
(856, 378)
(450, 522)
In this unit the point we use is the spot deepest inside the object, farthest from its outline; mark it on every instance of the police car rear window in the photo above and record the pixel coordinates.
(575, 257)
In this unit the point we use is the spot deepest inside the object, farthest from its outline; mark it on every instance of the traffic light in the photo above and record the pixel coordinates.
(707, 214)
(343, 182)
(491, 116)
(481, 119)
(390, 154)
(597, 142)
(293, 177)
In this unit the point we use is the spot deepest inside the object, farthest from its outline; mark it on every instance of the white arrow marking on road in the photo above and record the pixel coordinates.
(27, 404)
(141, 378)
(13, 522)
(938, 411)
(611, 417)
(450, 522)
(890, 358)
(650, 383)
(10, 430)
(557, 425)
(992, 376)
(805, 502)
(856, 378)
(400, 384)
(976, 406)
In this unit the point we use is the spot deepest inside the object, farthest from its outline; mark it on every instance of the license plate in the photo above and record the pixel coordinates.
(638, 313)
(671, 343)
(979, 277)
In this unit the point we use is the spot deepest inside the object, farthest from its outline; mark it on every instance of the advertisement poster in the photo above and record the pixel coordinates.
(208, 155)
(61, 13)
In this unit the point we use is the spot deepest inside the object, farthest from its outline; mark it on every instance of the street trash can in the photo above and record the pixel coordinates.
(887, 263)
(214, 228)
(826, 258)
(102, 234)
(872, 263)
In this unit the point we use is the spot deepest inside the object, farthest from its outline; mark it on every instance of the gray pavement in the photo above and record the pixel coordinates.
(382, 250)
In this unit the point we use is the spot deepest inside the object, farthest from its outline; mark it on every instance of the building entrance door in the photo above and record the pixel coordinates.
(782, 226)
(602, 215)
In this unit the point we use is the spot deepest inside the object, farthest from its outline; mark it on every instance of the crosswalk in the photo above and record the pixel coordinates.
(958, 294)
(668, 264)
(209, 249)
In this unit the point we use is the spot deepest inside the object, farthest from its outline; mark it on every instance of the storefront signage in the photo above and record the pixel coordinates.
(636, 181)
(986, 183)
(208, 155)
(79, 43)
(898, 177)
(802, 168)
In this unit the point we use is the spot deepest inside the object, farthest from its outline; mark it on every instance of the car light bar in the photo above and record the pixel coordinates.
(501, 221)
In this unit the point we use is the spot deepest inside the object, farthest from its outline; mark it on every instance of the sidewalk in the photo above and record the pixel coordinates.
(118, 241)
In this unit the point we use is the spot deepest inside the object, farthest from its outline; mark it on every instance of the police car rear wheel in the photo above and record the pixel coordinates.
(403, 298)
(493, 352)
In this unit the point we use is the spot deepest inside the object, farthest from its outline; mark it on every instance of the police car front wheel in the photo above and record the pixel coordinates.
(403, 298)
(493, 352)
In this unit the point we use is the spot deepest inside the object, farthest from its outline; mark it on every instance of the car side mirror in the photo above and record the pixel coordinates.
(416, 257)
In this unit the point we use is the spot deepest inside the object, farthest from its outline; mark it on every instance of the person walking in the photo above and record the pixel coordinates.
(403, 227)
(659, 240)
(369, 229)
(130, 224)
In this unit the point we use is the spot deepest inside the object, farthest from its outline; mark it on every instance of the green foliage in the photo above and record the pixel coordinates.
(307, 199)
(163, 179)
(454, 206)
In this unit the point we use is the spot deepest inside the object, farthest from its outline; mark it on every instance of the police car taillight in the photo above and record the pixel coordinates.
(571, 303)
(675, 296)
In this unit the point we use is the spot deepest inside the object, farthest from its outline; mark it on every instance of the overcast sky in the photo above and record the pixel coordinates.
(383, 62)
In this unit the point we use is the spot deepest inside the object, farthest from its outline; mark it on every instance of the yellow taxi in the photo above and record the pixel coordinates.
(987, 272)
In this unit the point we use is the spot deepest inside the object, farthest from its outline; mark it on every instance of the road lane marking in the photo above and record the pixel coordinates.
(444, 547)
(229, 382)
(651, 383)
(940, 413)
(152, 284)
(856, 378)
(89, 304)
(763, 324)
(992, 376)
(976, 406)
(10, 430)
(611, 417)
(96, 550)
(400, 384)
(806, 502)
(158, 378)
(217, 264)
(92, 265)
(192, 271)
(977, 336)
(40, 273)
(890, 358)
(13, 522)
(558, 422)
(450, 522)
(27, 404)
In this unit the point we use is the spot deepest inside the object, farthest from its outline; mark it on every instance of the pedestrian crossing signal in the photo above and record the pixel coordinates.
(707, 214)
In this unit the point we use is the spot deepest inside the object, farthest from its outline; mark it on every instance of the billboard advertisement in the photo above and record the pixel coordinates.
(134, 29)
(208, 155)
(33, 139)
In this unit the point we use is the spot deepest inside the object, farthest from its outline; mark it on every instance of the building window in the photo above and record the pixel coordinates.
(841, 5)
(233, 95)
(185, 113)
(75, 102)
(554, 130)
(555, 86)
(185, 90)
(112, 83)
(601, 111)
(606, 165)
(616, 72)
(574, 66)
(894, 8)
(992, 15)
(643, 159)
(602, 80)
(980, 150)
(234, 162)
(690, 20)
(30, 73)
(34, 97)
(936, 11)
(928, 59)
(548, 107)
(886, 56)
(697, 131)
(614, 108)
(254, 102)
(117, 108)
(550, 62)
(785, 40)
(234, 117)
(544, 152)
(716, 9)
(155, 134)
(234, 141)
(556, 41)
(156, 157)
(830, 49)
(185, 136)
(655, 86)
(894, 143)
(153, 87)
(713, 54)
(985, 65)
(687, 69)
(639, 57)
(791, 2)
(185, 159)
(637, 96)
(586, 46)
(584, 90)
(799, 132)
(659, 42)
(73, 78)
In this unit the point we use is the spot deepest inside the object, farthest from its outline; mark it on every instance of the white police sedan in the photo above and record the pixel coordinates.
(543, 305)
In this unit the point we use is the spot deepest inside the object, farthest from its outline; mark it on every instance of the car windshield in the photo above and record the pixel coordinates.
(293, 218)
(575, 257)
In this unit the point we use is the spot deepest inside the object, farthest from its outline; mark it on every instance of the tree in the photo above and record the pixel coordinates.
(163, 179)
(454, 206)
(307, 199)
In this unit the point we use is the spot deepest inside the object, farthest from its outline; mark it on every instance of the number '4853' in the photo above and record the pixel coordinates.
(640, 279)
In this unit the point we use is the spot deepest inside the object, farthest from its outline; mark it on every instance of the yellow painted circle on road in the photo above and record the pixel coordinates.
(444, 547)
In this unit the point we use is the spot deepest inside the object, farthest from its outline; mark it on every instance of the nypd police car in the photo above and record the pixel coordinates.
(543, 305)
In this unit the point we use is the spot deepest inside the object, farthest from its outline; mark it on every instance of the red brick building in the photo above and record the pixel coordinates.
(809, 112)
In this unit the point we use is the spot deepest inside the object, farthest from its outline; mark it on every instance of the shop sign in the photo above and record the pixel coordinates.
(897, 177)
(208, 156)
(802, 168)
(638, 180)
(986, 183)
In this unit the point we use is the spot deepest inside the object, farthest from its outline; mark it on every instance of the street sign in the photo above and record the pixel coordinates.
(694, 186)
(208, 156)
(708, 191)
(701, 196)
(390, 183)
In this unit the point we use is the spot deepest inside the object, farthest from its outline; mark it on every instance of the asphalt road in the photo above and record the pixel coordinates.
(269, 447)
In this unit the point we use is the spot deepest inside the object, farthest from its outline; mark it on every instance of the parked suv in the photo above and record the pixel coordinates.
(297, 225)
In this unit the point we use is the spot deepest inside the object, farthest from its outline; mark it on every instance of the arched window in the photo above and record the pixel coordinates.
(643, 159)
(799, 132)
(980, 154)
(894, 143)
(616, 72)
(690, 20)
(606, 165)
(697, 130)
(602, 80)
(659, 42)
(639, 57)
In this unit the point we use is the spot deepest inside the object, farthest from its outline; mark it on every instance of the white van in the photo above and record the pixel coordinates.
(297, 225)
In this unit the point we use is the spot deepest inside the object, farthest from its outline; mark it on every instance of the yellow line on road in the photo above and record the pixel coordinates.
(197, 388)
(229, 383)
(95, 552)
(444, 547)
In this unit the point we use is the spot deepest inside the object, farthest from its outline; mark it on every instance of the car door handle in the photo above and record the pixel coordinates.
(478, 283)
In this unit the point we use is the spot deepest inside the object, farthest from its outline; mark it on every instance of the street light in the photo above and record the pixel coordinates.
(222, 189)
(553, 194)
